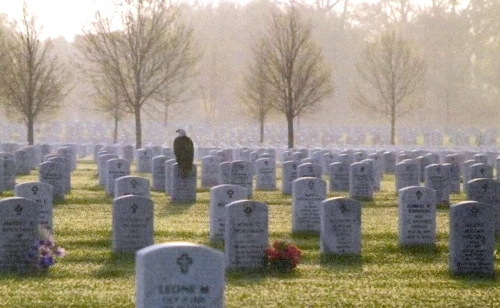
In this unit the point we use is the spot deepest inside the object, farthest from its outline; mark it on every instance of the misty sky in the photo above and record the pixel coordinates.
(61, 17)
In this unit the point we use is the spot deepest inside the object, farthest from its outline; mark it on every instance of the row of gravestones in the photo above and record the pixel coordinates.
(22, 219)
(32, 207)
(472, 229)
(241, 153)
(245, 253)
(114, 175)
(246, 238)
(342, 224)
(385, 160)
(184, 274)
(309, 192)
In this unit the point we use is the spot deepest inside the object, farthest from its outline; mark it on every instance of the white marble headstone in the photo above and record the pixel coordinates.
(53, 173)
(472, 238)
(209, 171)
(340, 232)
(9, 173)
(309, 170)
(144, 160)
(246, 234)
(265, 174)
(220, 196)
(132, 223)
(437, 178)
(115, 168)
(407, 174)
(361, 181)
(339, 177)
(19, 220)
(179, 275)
(289, 174)
(307, 195)
(242, 174)
(183, 189)
(132, 185)
(417, 216)
(42, 194)
(158, 173)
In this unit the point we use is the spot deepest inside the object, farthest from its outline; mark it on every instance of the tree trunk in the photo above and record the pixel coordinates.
(138, 128)
(115, 132)
(393, 128)
(261, 130)
(30, 128)
(165, 116)
(289, 120)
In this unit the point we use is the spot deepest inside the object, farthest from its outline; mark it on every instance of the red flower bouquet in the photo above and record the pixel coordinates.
(283, 256)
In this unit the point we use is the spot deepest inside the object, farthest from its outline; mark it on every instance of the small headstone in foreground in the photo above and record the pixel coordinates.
(340, 226)
(115, 168)
(437, 178)
(242, 174)
(472, 238)
(265, 173)
(339, 177)
(307, 195)
(52, 173)
(246, 234)
(41, 193)
(132, 221)
(361, 181)
(220, 196)
(19, 220)
(407, 174)
(179, 275)
(417, 216)
(183, 189)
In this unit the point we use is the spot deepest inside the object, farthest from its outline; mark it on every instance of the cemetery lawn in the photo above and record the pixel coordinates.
(385, 275)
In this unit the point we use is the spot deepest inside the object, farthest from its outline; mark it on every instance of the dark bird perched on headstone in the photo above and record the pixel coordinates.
(184, 152)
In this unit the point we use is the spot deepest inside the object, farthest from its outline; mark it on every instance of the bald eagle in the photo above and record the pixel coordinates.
(184, 153)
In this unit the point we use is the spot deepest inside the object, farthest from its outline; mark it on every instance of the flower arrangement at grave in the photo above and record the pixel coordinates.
(283, 256)
(44, 252)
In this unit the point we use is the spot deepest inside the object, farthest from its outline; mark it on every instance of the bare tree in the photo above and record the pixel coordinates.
(33, 81)
(148, 50)
(398, 11)
(108, 100)
(326, 5)
(391, 72)
(297, 76)
(254, 94)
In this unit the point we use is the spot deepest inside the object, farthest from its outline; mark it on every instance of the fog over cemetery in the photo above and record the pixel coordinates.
(267, 154)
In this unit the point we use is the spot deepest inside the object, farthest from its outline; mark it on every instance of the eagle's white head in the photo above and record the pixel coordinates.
(181, 132)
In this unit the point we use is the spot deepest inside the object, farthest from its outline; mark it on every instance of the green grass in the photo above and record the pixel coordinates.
(385, 275)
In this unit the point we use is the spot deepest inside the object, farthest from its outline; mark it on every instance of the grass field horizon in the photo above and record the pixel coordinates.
(384, 275)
